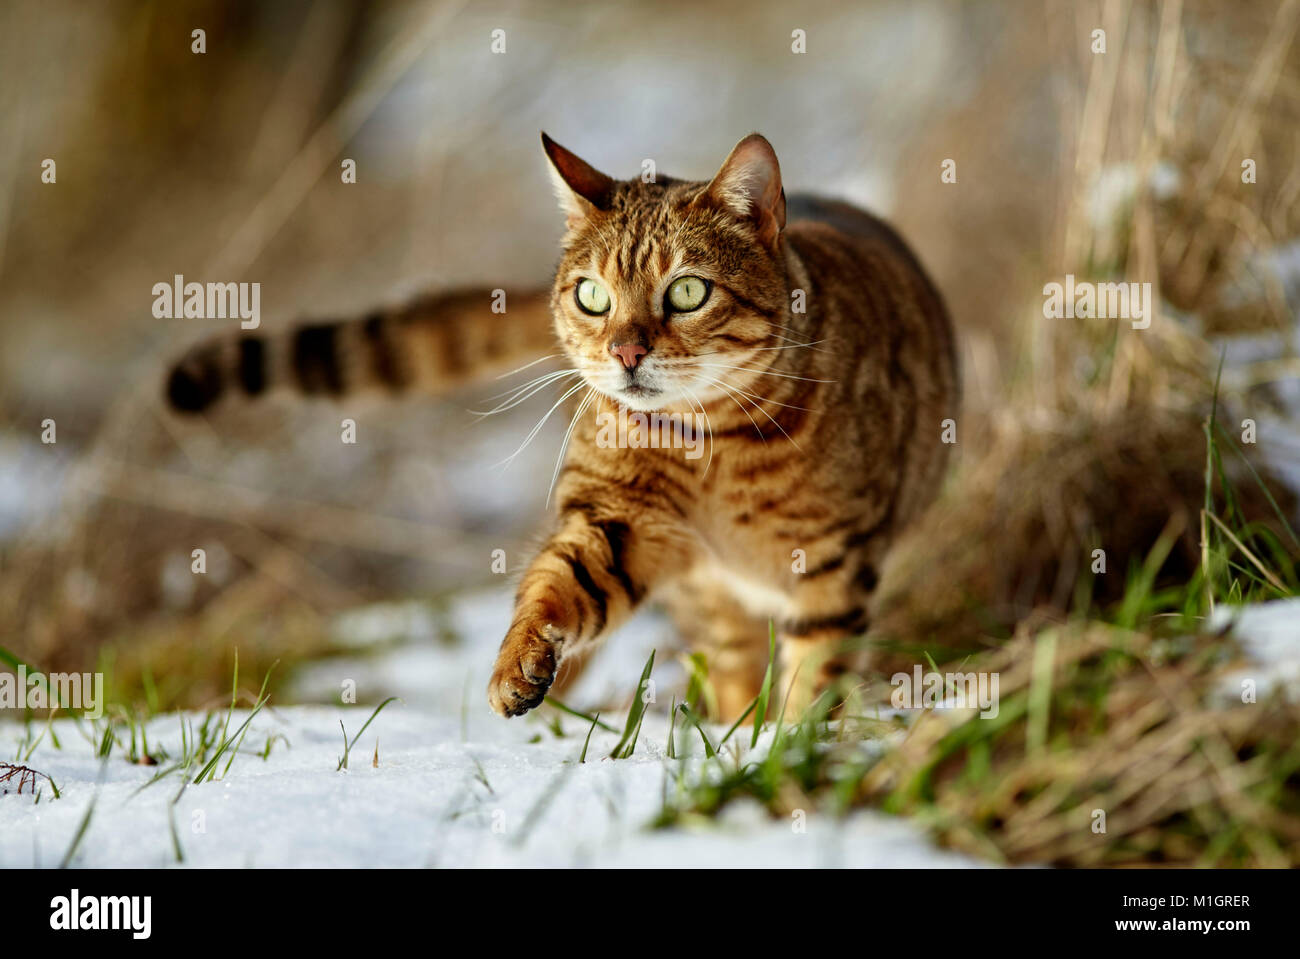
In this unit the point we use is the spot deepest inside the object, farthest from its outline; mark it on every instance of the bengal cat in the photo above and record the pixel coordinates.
(804, 335)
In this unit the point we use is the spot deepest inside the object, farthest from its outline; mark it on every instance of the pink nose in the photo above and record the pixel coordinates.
(629, 353)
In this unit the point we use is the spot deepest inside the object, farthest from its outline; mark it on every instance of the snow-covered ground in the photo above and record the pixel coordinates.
(1270, 636)
(435, 799)
(454, 786)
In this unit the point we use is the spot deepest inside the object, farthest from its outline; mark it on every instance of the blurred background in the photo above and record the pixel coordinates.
(225, 166)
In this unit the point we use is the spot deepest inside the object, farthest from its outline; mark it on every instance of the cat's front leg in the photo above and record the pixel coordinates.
(527, 664)
(592, 572)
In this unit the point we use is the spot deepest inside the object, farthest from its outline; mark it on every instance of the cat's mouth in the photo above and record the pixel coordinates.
(638, 396)
(641, 389)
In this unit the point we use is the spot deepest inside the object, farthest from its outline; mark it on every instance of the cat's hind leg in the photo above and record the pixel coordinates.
(822, 638)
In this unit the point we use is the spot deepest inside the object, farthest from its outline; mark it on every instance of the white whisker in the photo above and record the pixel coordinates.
(540, 423)
(540, 359)
(767, 399)
(755, 396)
(756, 401)
(731, 396)
(761, 349)
(707, 425)
(522, 393)
(559, 460)
(795, 342)
(746, 369)
(535, 379)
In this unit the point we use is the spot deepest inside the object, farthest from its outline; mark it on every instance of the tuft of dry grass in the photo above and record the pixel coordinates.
(1013, 540)
(1137, 762)
(17, 779)
(1092, 434)
(1109, 747)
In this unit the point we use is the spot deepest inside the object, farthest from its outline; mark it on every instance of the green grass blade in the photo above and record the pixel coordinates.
(576, 714)
(636, 735)
(240, 741)
(736, 725)
(638, 709)
(210, 769)
(765, 691)
(84, 826)
(694, 720)
(591, 729)
(347, 746)
(1259, 481)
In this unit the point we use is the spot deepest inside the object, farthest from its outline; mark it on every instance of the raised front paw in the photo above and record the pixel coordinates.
(524, 672)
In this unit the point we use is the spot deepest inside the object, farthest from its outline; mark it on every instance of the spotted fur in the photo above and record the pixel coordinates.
(824, 423)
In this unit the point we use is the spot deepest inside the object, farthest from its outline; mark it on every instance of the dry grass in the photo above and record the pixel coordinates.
(1096, 438)
(15, 778)
(1107, 447)
(1134, 730)
(1109, 748)
(1013, 540)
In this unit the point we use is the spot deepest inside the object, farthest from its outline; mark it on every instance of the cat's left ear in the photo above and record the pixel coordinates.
(749, 186)
(580, 187)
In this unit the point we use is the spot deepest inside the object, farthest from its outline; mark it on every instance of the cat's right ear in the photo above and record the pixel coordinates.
(580, 187)
(749, 186)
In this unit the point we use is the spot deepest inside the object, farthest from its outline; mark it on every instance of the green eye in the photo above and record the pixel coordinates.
(592, 297)
(688, 293)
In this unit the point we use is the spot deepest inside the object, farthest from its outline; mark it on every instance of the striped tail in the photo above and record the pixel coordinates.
(432, 344)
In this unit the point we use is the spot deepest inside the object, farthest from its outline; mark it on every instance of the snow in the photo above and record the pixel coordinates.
(1269, 634)
(455, 784)
(426, 804)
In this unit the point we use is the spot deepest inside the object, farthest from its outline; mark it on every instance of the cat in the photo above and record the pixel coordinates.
(802, 336)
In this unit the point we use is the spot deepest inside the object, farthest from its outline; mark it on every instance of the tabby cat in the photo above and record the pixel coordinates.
(803, 334)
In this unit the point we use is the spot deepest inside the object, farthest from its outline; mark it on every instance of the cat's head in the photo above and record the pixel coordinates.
(670, 292)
